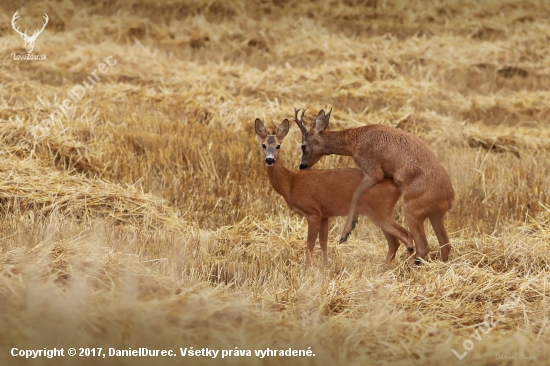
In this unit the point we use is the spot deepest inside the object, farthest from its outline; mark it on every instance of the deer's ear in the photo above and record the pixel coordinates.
(283, 130)
(260, 128)
(321, 122)
(327, 118)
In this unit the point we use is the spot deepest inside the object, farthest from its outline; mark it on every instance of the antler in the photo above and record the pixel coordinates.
(13, 19)
(300, 122)
(24, 35)
(37, 32)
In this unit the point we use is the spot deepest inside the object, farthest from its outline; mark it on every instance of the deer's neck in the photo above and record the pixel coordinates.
(338, 142)
(280, 178)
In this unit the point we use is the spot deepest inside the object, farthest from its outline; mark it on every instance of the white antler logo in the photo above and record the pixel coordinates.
(29, 41)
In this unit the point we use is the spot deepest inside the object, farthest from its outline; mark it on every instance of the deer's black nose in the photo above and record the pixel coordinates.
(303, 166)
(269, 161)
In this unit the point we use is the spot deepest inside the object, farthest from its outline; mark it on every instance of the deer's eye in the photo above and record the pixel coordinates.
(263, 145)
(278, 147)
(304, 148)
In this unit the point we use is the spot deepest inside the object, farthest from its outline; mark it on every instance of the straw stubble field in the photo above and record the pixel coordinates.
(143, 217)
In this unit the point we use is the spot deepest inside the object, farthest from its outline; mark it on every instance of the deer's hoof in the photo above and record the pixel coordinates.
(417, 262)
(410, 250)
(344, 238)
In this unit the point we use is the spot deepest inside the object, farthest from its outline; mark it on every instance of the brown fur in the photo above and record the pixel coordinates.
(320, 194)
(387, 152)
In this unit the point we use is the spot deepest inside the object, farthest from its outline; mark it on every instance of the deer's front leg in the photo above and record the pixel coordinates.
(323, 239)
(364, 186)
(313, 226)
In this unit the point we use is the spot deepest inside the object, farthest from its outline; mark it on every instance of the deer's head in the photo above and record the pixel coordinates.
(311, 141)
(29, 40)
(271, 143)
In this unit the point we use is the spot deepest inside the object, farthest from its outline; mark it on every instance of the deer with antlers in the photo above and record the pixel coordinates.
(29, 40)
(320, 194)
(387, 152)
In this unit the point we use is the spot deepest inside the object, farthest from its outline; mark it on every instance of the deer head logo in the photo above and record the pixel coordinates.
(29, 40)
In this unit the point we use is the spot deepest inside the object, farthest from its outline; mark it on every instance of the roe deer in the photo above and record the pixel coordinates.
(388, 152)
(320, 194)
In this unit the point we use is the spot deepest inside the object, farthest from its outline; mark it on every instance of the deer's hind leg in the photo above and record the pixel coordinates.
(442, 237)
(391, 227)
(416, 227)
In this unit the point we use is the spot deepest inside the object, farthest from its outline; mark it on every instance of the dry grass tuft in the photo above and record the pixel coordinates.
(499, 145)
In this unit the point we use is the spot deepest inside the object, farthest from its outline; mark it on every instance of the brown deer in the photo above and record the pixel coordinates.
(320, 194)
(388, 152)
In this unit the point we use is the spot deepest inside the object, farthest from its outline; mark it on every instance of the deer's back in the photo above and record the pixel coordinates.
(405, 158)
(329, 193)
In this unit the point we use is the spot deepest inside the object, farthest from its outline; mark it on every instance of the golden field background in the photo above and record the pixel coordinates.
(144, 218)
